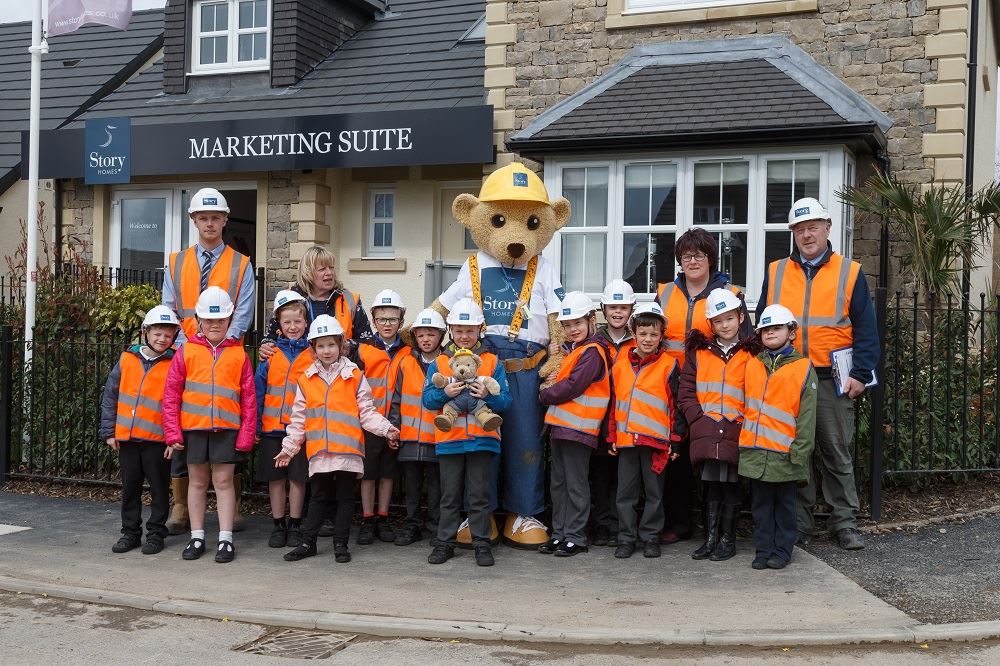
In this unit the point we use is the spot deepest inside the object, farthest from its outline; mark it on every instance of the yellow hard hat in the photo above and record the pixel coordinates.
(514, 182)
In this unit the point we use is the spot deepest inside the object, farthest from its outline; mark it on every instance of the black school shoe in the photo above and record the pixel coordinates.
(602, 535)
(294, 537)
(383, 531)
(441, 554)
(279, 536)
(651, 548)
(126, 543)
(366, 534)
(549, 546)
(226, 552)
(775, 562)
(569, 549)
(194, 549)
(300, 552)
(409, 534)
(341, 553)
(326, 529)
(153, 545)
(624, 550)
(759, 563)
(484, 555)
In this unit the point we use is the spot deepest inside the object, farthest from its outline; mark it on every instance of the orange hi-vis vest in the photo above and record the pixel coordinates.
(820, 305)
(279, 396)
(772, 404)
(211, 397)
(466, 426)
(333, 420)
(185, 274)
(344, 309)
(683, 315)
(614, 353)
(381, 373)
(719, 384)
(416, 421)
(643, 401)
(140, 396)
(586, 411)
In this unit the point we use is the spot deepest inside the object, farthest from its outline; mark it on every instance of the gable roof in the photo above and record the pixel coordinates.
(726, 91)
(106, 58)
(411, 59)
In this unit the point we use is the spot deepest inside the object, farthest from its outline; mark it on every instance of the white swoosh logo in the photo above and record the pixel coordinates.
(107, 130)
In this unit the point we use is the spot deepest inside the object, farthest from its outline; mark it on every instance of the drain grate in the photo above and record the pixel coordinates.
(297, 644)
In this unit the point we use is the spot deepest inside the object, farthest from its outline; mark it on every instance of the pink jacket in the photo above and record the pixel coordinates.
(174, 389)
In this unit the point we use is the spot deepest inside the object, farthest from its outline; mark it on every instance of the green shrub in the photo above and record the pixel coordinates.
(119, 312)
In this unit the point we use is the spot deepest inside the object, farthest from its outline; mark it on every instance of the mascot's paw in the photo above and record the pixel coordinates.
(551, 368)
(439, 380)
(524, 532)
(464, 537)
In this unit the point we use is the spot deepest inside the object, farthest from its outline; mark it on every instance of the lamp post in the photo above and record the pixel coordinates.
(38, 47)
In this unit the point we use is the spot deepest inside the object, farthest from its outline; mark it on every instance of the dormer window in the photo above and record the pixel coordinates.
(230, 36)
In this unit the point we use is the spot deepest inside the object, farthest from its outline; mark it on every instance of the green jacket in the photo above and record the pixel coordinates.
(795, 465)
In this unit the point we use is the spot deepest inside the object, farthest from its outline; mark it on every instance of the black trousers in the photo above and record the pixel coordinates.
(604, 491)
(774, 528)
(144, 462)
(465, 475)
(678, 493)
(331, 496)
(418, 475)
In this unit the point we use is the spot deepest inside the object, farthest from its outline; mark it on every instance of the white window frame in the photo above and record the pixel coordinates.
(834, 161)
(648, 6)
(371, 250)
(232, 32)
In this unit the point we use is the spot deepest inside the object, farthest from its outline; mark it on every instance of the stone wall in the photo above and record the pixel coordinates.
(77, 219)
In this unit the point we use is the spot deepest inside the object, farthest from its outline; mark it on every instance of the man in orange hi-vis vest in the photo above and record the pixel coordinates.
(209, 262)
(829, 296)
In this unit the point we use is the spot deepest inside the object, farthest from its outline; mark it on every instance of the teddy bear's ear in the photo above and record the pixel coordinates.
(477, 360)
(562, 210)
(463, 206)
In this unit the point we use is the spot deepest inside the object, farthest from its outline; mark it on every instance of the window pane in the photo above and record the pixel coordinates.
(721, 192)
(207, 50)
(222, 16)
(777, 245)
(252, 47)
(389, 201)
(260, 46)
(647, 260)
(732, 258)
(650, 194)
(221, 49)
(586, 188)
(664, 198)
(787, 181)
(583, 261)
(246, 48)
(637, 185)
(143, 231)
(383, 234)
(260, 14)
(208, 18)
(246, 14)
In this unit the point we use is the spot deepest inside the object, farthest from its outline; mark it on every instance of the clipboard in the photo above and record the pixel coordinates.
(841, 363)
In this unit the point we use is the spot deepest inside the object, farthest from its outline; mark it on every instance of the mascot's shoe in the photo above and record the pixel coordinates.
(488, 419)
(524, 532)
(445, 420)
(464, 537)
(178, 522)
(239, 521)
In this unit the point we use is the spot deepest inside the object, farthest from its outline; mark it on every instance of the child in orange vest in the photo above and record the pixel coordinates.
(332, 410)
(276, 379)
(577, 405)
(778, 435)
(644, 430)
(711, 397)
(210, 413)
(416, 450)
(132, 425)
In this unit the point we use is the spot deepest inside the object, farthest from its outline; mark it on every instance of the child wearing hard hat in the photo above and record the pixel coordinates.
(645, 431)
(333, 408)
(711, 398)
(379, 358)
(577, 403)
(210, 414)
(617, 303)
(132, 425)
(275, 380)
(467, 452)
(416, 450)
(778, 435)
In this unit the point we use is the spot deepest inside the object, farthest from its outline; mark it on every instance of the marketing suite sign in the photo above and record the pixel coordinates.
(460, 135)
(107, 151)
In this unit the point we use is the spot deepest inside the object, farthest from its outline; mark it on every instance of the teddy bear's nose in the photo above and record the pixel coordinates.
(515, 250)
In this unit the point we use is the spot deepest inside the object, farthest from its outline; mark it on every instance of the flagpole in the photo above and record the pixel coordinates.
(38, 47)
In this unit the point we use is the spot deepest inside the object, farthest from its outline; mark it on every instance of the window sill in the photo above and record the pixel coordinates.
(376, 265)
(617, 18)
(231, 70)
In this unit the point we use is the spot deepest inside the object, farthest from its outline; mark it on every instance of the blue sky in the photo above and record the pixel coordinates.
(20, 10)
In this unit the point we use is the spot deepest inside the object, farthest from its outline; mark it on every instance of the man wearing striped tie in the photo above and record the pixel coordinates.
(210, 262)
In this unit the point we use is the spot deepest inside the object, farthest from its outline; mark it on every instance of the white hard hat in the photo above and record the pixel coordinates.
(775, 315)
(429, 319)
(324, 325)
(575, 304)
(720, 301)
(214, 303)
(618, 292)
(160, 314)
(647, 308)
(286, 296)
(466, 312)
(208, 198)
(387, 298)
(806, 209)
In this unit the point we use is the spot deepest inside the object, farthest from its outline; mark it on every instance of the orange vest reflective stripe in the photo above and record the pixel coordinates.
(140, 396)
(466, 426)
(185, 275)
(211, 398)
(279, 395)
(643, 402)
(381, 373)
(586, 411)
(344, 309)
(333, 421)
(820, 305)
(683, 315)
(772, 405)
(719, 384)
(416, 422)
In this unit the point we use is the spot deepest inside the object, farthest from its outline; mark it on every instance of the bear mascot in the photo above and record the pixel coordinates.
(511, 222)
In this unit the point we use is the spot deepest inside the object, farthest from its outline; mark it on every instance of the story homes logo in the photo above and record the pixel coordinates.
(107, 151)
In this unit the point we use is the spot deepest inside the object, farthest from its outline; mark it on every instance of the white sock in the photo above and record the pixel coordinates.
(225, 536)
(198, 534)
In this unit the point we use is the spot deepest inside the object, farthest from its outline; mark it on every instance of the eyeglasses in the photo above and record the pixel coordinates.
(694, 258)
(386, 321)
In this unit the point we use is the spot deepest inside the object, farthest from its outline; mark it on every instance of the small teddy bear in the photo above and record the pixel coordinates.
(464, 366)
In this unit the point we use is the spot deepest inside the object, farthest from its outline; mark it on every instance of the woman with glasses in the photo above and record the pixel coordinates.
(683, 302)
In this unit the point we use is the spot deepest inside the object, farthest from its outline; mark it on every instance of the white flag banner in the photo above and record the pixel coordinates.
(66, 16)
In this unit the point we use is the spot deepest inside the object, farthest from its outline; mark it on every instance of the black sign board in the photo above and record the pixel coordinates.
(458, 135)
